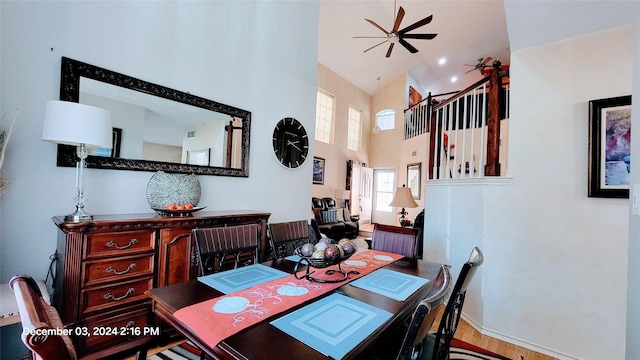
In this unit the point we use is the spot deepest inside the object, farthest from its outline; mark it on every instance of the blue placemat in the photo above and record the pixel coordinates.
(393, 284)
(242, 278)
(333, 325)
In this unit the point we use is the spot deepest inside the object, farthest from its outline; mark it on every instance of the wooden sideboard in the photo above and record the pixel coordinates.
(105, 266)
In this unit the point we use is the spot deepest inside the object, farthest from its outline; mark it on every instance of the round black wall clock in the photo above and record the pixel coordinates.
(290, 142)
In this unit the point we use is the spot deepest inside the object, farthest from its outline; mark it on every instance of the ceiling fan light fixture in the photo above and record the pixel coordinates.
(397, 35)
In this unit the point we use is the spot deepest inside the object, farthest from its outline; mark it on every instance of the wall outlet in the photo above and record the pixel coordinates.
(635, 199)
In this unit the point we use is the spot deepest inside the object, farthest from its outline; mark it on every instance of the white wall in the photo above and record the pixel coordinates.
(233, 52)
(555, 273)
(633, 282)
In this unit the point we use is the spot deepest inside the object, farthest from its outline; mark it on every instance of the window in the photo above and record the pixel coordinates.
(324, 116)
(385, 180)
(386, 119)
(353, 130)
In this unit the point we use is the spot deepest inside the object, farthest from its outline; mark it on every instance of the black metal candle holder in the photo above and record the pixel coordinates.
(320, 264)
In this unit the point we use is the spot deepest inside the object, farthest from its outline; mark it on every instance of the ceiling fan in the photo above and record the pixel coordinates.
(399, 36)
(481, 65)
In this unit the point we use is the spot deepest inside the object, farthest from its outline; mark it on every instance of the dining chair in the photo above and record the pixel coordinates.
(285, 237)
(408, 343)
(451, 316)
(226, 247)
(425, 314)
(394, 239)
(40, 318)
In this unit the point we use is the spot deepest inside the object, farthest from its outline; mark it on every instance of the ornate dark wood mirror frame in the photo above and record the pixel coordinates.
(73, 70)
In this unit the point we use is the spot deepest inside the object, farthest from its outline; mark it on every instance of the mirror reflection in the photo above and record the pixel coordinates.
(157, 128)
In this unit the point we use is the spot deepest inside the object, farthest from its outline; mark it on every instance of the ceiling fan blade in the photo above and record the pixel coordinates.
(466, 72)
(485, 60)
(408, 46)
(389, 51)
(378, 26)
(419, 36)
(416, 25)
(398, 20)
(376, 45)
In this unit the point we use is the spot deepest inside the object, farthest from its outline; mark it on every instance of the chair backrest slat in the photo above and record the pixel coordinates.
(285, 237)
(394, 239)
(228, 247)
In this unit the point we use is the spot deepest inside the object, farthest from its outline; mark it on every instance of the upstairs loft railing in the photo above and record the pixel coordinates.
(464, 129)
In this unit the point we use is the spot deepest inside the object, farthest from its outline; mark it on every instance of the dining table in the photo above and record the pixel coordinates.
(265, 340)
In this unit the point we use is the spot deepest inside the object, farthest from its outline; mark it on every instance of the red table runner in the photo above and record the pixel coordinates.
(216, 319)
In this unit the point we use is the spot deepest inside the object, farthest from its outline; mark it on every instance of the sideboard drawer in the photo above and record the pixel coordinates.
(104, 297)
(120, 243)
(100, 329)
(119, 269)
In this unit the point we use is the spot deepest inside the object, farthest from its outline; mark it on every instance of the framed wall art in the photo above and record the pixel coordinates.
(318, 170)
(609, 147)
(413, 179)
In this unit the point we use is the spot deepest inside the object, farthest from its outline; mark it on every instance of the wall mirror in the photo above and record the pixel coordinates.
(157, 128)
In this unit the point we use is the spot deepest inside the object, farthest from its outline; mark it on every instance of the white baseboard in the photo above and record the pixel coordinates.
(518, 342)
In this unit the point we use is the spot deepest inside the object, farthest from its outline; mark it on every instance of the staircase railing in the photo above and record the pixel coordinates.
(464, 129)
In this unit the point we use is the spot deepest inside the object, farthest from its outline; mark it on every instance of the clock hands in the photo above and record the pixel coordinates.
(294, 144)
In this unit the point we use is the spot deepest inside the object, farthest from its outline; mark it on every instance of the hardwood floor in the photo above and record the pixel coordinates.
(469, 334)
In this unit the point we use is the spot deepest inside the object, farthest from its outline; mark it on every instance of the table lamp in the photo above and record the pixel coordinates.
(404, 199)
(344, 195)
(79, 125)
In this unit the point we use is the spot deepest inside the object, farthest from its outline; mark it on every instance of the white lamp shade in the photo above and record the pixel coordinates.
(71, 123)
(343, 194)
(403, 198)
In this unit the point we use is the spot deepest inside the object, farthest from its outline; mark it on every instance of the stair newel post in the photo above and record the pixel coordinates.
(431, 118)
(492, 167)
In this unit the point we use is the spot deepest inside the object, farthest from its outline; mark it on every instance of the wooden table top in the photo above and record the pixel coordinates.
(264, 341)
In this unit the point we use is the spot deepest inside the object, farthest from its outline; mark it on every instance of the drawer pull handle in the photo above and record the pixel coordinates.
(112, 270)
(131, 243)
(108, 296)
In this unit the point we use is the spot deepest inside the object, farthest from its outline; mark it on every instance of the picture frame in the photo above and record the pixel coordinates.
(318, 170)
(414, 172)
(609, 147)
(198, 157)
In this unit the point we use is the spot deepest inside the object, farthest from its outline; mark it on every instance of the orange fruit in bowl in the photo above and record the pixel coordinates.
(188, 206)
(171, 206)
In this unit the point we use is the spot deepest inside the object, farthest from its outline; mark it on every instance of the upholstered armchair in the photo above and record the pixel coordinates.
(334, 222)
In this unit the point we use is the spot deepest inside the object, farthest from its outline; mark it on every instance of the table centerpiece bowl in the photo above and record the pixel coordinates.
(321, 263)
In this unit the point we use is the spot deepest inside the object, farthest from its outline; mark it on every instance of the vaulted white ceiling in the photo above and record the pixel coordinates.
(467, 30)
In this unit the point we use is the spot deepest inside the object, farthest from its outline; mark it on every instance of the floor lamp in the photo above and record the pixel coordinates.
(404, 199)
(70, 123)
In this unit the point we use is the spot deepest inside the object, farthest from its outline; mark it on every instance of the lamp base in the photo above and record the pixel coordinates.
(78, 216)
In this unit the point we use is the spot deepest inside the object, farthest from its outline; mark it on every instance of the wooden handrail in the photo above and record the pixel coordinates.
(492, 165)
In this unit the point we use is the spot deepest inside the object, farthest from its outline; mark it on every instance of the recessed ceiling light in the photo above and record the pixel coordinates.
(454, 78)
(442, 61)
